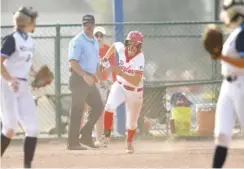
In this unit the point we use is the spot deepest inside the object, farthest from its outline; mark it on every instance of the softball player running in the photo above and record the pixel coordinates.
(129, 85)
(17, 103)
(231, 96)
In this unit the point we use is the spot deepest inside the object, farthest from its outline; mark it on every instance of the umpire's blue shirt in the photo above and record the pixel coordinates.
(85, 51)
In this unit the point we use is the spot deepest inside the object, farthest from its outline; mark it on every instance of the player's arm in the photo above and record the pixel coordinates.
(74, 55)
(99, 72)
(110, 52)
(238, 62)
(32, 71)
(8, 48)
(136, 78)
(4, 72)
(105, 62)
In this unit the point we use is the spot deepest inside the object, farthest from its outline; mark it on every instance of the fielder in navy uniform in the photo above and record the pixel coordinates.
(17, 103)
(231, 96)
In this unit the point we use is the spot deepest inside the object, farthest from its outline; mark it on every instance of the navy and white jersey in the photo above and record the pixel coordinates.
(18, 48)
(233, 47)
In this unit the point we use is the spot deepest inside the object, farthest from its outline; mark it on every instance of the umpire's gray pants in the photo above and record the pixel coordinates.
(82, 93)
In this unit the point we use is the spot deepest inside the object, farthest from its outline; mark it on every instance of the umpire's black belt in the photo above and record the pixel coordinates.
(84, 72)
(22, 79)
(231, 78)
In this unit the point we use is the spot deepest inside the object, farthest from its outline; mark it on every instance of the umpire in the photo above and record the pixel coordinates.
(84, 59)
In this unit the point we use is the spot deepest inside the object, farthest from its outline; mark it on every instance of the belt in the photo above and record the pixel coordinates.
(70, 69)
(22, 79)
(131, 88)
(231, 78)
(90, 74)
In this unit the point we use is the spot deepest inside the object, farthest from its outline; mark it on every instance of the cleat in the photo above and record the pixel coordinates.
(103, 141)
(129, 148)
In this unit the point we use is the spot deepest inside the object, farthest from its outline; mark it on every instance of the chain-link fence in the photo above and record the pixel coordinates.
(175, 62)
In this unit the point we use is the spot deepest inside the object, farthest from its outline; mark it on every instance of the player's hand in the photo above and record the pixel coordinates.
(33, 73)
(109, 83)
(117, 70)
(105, 63)
(103, 84)
(14, 85)
(89, 80)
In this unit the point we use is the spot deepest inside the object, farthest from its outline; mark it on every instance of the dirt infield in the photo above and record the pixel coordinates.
(153, 154)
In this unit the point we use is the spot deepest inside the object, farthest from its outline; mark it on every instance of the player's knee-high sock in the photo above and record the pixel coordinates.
(29, 150)
(4, 143)
(108, 123)
(130, 135)
(219, 156)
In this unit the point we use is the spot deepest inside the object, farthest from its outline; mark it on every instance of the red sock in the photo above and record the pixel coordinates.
(108, 120)
(130, 135)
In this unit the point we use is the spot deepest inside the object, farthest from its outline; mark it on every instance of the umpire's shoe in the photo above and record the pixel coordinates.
(75, 147)
(27, 165)
(103, 141)
(88, 142)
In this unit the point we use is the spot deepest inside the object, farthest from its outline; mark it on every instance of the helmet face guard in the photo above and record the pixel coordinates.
(134, 41)
(129, 44)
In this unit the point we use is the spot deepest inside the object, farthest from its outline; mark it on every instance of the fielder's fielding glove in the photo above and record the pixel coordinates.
(43, 77)
(213, 40)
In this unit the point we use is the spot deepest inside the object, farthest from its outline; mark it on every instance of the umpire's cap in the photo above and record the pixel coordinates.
(88, 19)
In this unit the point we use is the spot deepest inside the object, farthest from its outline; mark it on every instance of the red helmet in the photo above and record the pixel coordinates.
(135, 36)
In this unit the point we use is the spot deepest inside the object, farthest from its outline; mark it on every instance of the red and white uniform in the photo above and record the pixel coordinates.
(122, 91)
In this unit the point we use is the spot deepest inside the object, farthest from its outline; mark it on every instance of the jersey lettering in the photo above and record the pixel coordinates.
(124, 68)
(132, 67)
(20, 55)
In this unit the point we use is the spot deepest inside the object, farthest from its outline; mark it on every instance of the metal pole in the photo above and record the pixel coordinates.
(215, 64)
(58, 81)
(216, 10)
(118, 17)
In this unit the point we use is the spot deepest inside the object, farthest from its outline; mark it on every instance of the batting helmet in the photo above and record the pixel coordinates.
(134, 38)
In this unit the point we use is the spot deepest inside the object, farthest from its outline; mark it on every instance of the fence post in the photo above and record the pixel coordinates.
(216, 9)
(119, 36)
(167, 114)
(58, 81)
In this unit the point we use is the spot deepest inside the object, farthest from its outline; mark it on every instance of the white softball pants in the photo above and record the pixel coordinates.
(18, 108)
(230, 104)
(133, 101)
